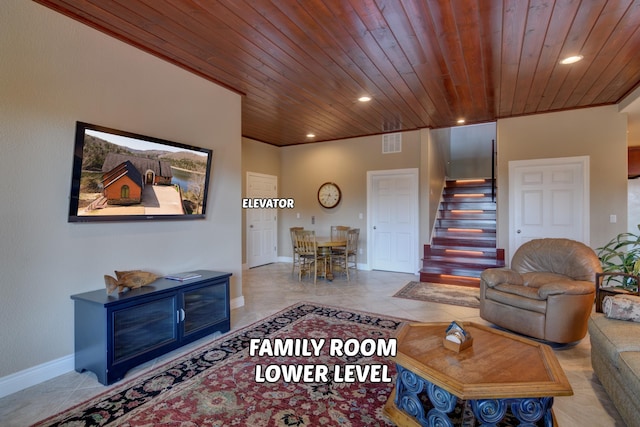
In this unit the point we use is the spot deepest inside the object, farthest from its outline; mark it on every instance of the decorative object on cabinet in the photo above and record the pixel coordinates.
(115, 333)
(127, 280)
(181, 277)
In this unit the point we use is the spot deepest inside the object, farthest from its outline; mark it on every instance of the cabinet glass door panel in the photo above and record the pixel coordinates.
(204, 307)
(143, 327)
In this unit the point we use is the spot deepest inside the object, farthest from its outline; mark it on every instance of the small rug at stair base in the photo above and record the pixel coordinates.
(440, 293)
(216, 385)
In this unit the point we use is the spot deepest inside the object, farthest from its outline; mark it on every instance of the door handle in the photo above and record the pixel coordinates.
(518, 231)
(374, 227)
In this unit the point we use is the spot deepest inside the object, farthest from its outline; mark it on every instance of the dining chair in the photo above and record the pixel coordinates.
(349, 257)
(339, 232)
(353, 237)
(295, 255)
(308, 253)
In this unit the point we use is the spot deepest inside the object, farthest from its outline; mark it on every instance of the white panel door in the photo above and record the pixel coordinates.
(393, 220)
(262, 224)
(548, 198)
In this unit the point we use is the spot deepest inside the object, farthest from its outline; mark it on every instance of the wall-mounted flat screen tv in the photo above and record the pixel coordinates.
(123, 176)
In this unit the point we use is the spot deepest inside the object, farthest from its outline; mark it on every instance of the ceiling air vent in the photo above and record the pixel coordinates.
(391, 143)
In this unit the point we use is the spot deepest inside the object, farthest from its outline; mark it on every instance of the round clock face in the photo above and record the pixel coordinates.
(329, 195)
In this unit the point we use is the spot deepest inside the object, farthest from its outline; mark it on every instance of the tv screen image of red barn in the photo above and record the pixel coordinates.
(121, 176)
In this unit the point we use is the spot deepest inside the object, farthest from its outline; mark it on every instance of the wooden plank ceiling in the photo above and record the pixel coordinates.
(302, 65)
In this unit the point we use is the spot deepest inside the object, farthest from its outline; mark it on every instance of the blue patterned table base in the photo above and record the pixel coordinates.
(412, 393)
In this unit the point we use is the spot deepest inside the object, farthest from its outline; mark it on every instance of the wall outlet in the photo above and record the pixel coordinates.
(613, 219)
(360, 215)
(313, 220)
(298, 215)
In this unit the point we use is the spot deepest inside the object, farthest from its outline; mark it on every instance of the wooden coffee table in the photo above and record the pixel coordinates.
(500, 375)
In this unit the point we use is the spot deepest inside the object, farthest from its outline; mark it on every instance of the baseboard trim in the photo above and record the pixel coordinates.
(237, 302)
(35, 375)
(13, 383)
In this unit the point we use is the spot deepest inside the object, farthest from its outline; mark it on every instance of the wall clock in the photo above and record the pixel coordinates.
(329, 195)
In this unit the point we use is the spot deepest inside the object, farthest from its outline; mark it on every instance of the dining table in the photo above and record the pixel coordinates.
(325, 249)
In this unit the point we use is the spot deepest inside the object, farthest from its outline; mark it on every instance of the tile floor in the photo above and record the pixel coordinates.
(271, 288)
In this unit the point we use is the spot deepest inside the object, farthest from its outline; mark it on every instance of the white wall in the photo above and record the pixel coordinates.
(434, 157)
(599, 133)
(470, 151)
(53, 72)
(346, 162)
(257, 157)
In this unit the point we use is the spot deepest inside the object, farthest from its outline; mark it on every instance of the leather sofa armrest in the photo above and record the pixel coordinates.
(566, 287)
(495, 276)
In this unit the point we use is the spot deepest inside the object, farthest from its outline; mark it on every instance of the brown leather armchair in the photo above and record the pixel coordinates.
(548, 292)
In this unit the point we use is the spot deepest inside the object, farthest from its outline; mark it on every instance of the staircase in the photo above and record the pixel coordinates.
(464, 240)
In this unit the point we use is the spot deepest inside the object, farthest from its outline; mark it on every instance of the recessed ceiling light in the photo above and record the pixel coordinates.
(571, 59)
(460, 121)
(364, 99)
(311, 135)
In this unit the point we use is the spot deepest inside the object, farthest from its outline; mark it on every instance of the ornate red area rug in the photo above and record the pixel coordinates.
(308, 365)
